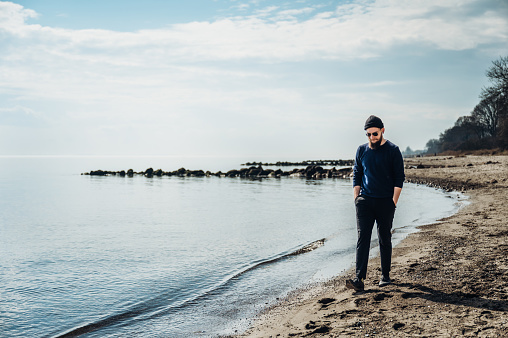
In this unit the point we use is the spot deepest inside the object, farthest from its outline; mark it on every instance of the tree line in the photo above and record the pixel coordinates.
(486, 127)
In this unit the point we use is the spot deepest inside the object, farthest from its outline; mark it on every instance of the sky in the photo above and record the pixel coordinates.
(254, 79)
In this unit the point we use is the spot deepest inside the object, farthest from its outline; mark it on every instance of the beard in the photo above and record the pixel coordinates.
(375, 145)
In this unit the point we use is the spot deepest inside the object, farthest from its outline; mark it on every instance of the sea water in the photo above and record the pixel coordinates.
(170, 256)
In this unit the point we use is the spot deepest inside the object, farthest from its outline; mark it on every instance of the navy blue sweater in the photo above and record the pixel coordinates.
(378, 171)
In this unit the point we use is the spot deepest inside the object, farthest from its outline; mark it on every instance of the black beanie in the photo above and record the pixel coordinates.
(373, 121)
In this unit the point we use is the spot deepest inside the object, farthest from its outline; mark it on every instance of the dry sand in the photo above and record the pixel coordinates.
(450, 278)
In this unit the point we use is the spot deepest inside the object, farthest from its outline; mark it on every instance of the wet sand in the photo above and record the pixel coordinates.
(450, 278)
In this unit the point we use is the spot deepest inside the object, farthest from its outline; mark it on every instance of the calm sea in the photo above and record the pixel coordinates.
(171, 256)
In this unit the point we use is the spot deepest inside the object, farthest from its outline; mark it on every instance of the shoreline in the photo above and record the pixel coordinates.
(450, 277)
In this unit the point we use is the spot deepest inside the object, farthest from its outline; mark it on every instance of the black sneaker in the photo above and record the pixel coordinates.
(355, 284)
(385, 281)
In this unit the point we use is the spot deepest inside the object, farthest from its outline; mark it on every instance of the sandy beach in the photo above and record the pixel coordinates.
(450, 278)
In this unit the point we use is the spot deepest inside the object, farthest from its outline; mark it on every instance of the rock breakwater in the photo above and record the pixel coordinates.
(311, 171)
(339, 163)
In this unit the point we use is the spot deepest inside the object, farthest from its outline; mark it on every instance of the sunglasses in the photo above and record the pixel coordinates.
(376, 133)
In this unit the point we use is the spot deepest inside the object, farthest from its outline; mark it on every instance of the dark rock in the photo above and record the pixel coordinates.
(195, 173)
(310, 170)
(311, 325)
(326, 300)
(148, 172)
(232, 173)
(253, 171)
(343, 172)
(244, 172)
(98, 173)
(322, 329)
(398, 326)
(264, 173)
(273, 174)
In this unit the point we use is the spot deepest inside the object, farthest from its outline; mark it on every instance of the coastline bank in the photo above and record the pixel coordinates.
(450, 278)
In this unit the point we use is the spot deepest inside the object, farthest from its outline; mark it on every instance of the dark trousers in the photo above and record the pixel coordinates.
(368, 211)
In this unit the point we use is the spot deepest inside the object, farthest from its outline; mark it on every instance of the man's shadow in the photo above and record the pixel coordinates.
(437, 296)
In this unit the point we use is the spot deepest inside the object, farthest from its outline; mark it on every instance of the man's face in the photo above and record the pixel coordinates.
(375, 136)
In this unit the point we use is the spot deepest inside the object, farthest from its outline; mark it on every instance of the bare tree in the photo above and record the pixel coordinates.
(486, 115)
(472, 125)
(487, 125)
(497, 94)
(498, 76)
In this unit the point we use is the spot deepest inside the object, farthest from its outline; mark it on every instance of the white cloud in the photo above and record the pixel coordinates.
(189, 77)
(13, 16)
(266, 11)
(359, 30)
(292, 14)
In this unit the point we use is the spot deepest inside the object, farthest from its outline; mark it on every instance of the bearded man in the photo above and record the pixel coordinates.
(377, 184)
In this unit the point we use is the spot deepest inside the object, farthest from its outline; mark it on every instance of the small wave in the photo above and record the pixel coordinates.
(157, 306)
(256, 264)
(309, 247)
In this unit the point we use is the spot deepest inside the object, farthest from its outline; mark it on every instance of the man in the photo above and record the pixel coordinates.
(378, 177)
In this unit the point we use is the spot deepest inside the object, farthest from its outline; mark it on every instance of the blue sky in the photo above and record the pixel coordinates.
(254, 79)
